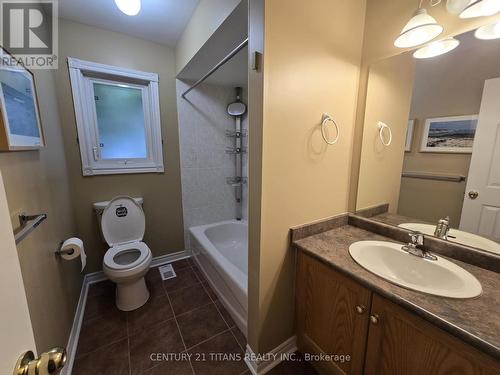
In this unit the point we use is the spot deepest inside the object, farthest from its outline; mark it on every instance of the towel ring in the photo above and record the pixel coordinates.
(324, 123)
(382, 126)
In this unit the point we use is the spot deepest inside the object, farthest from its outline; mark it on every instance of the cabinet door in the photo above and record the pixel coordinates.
(331, 316)
(399, 342)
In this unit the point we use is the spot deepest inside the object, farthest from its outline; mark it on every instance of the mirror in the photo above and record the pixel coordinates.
(430, 158)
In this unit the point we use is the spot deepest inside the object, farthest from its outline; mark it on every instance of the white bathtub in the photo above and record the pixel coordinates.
(221, 252)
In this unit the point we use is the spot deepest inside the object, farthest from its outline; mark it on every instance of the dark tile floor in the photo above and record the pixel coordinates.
(182, 329)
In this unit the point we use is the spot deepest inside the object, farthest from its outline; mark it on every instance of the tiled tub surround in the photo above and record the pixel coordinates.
(475, 321)
(205, 165)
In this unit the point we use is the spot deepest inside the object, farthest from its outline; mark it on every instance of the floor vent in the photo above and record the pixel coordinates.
(167, 272)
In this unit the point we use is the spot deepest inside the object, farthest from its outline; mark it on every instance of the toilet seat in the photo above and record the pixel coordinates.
(121, 249)
(123, 221)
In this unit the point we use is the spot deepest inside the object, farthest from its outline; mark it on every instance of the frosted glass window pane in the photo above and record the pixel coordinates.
(120, 122)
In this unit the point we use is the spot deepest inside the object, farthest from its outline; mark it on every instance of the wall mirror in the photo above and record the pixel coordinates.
(20, 127)
(443, 162)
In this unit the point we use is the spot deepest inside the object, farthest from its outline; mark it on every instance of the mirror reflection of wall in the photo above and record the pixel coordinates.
(426, 174)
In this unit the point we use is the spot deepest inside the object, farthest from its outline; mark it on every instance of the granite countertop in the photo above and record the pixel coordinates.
(475, 321)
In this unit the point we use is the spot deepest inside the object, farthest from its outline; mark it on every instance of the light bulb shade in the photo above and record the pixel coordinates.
(129, 7)
(488, 32)
(436, 48)
(480, 8)
(421, 29)
(456, 6)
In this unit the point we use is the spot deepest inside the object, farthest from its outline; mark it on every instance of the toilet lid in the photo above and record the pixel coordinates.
(123, 221)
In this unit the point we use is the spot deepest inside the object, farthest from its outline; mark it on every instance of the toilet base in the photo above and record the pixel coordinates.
(132, 295)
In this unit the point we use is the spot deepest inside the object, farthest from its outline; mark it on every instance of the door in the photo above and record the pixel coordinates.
(16, 333)
(332, 317)
(481, 209)
(399, 342)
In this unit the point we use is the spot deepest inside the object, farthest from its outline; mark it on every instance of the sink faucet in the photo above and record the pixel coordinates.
(415, 247)
(442, 228)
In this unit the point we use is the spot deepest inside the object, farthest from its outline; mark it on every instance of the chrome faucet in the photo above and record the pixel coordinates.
(415, 247)
(442, 228)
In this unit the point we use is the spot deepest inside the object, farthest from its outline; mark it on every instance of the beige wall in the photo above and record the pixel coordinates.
(207, 17)
(451, 85)
(384, 21)
(312, 59)
(388, 100)
(37, 182)
(161, 192)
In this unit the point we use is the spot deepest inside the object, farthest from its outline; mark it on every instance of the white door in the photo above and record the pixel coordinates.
(16, 333)
(481, 209)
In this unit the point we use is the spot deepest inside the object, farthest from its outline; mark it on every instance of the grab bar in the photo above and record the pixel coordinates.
(27, 224)
(436, 177)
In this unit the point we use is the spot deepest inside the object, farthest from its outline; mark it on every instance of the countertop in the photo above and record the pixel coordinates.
(475, 321)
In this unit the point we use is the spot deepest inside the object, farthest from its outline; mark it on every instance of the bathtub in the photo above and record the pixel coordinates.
(221, 252)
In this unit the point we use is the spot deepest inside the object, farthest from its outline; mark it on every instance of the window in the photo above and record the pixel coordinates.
(118, 118)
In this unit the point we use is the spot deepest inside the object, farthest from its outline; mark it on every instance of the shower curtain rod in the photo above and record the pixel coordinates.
(216, 67)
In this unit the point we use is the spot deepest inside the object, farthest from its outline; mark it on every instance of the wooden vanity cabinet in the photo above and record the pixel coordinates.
(336, 315)
(332, 313)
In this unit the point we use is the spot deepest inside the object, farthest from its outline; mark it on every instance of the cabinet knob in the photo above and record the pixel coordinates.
(360, 309)
(374, 318)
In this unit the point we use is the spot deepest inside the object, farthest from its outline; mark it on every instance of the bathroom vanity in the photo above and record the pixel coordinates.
(371, 326)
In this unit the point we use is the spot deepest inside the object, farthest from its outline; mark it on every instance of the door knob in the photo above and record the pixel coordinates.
(374, 318)
(49, 363)
(473, 194)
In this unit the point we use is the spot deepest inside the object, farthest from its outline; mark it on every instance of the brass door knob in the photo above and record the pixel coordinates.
(49, 363)
(360, 309)
(374, 319)
(473, 194)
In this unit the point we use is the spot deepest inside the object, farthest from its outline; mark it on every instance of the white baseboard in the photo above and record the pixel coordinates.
(92, 278)
(261, 364)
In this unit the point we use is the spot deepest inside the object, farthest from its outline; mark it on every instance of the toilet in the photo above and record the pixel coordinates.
(128, 259)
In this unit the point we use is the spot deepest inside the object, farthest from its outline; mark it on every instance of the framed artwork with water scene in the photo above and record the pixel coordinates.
(20, 126)
(449, 134)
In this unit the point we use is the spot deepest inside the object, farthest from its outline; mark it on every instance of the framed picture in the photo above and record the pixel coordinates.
(449, 134)
(409, 135)
(20, 125)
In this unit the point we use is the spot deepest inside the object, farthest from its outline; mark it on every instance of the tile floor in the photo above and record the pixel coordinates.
(183, 316)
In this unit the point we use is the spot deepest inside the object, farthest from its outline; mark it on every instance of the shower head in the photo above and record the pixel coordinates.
(236, 109)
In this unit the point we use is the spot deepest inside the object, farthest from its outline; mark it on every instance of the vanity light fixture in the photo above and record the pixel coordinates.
(437, 48)
(420, 29)
(129, 7)
(456, 6)
(480, 8)
(488, 32)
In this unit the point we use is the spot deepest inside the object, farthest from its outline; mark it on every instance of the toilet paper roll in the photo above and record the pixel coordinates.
(76, 245)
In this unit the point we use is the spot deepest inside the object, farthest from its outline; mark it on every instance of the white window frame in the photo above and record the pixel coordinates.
(82, 75)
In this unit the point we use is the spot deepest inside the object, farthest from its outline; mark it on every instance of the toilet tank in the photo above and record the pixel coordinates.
(100, 206)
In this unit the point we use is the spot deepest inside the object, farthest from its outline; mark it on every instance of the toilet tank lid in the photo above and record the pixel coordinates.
(99, 206)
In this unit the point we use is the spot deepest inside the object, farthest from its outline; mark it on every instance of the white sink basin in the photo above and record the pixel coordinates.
(464, 238)
(440, 277)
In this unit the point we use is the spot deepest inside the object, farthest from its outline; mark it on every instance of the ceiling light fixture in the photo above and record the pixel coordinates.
(129, 7)
(480, 8)
(456, 6)
(488, 32)
(420, 29)
(437, 48)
